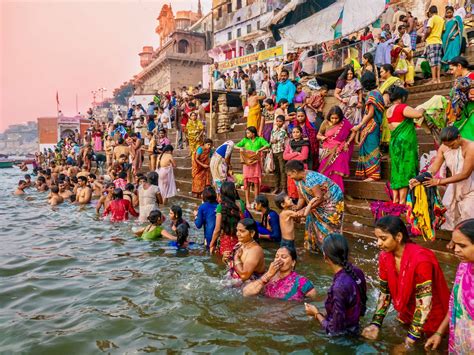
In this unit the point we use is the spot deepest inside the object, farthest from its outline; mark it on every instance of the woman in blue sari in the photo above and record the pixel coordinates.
(326, 199)
(452, 36)
(370, 128)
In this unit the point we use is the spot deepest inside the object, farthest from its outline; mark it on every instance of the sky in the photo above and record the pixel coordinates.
(72, 47)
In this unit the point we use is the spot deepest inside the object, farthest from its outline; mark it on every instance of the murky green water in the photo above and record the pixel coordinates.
(70, 284)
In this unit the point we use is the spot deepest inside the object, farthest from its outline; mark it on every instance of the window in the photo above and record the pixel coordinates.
(229, 7)
(183, 46)
(239, 4)
(238, 19)
(219, 12)
(239, 32)
(258, 25)
(229, 36)
(249, 28)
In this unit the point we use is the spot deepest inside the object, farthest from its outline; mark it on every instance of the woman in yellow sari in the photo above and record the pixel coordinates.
(195, 132)
(402, 60)
(254, 118)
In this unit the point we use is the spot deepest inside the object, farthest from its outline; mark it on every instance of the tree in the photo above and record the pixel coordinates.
(122, 95)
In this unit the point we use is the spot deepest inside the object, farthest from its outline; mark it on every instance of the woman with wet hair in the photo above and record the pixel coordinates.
(347, 297)
(281, 281)
(119, 208)
(246, 260)
(410, 279)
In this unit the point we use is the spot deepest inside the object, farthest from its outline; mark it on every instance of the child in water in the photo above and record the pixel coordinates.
(154, 229)
(177, 223)
(288, 217)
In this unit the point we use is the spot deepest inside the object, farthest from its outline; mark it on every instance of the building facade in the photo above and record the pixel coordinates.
(238, 27)
(178, 61)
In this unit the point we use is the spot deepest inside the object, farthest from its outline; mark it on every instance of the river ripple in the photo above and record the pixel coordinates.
(70, 284)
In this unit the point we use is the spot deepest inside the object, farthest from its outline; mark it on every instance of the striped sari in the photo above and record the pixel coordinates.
(368, 165)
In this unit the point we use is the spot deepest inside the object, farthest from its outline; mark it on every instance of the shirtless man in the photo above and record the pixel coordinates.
(95, 185)
(64, 189)
(54, 197)
(41, 185)
(20, 190)
(84, 192)
(28, 180)
(106, 197)
(458, 154)
(121, 148)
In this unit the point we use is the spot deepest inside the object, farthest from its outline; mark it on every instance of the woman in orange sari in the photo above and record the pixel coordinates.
(201, 172)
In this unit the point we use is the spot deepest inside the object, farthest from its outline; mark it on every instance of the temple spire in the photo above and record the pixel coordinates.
(199, 8)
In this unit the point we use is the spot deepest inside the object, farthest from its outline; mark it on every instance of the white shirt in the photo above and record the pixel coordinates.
(219, 84)
(258, 78)
(461, 12)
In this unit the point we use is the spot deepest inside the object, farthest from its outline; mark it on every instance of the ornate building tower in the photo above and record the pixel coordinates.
(166, 24)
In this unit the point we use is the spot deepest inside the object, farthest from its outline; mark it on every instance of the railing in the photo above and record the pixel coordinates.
(336, 58)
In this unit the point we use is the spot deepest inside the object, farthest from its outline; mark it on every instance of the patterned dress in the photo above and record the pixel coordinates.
(328, 216)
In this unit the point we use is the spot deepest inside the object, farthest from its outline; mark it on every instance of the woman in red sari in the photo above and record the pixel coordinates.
(201, 172)
(411, 279)
(338, 145)
(309, 133)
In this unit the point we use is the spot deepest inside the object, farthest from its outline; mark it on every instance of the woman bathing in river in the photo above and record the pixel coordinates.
(281, 280)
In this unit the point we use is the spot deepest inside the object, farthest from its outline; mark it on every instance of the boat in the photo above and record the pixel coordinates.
(6, 163)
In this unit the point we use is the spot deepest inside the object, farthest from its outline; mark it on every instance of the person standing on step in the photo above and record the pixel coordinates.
(195, 132)
(250, 148)
(277, 141)
(327, 212)
(220, 165)
(201, 173)
(403, 143)
(166, 181)
(434, 43)
(369, 131)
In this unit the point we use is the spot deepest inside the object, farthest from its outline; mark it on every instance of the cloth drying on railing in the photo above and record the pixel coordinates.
(425, 211)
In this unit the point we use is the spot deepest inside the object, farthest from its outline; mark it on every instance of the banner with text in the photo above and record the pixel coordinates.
(252, 58)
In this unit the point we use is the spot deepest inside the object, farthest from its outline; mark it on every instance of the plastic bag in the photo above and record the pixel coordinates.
(269, 164)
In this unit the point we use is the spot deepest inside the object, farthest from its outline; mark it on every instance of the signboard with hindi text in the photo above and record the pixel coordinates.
(252, 58)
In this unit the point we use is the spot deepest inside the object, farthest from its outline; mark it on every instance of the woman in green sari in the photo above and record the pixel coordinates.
(403, 143)
(452, 37)
(465, 122)
(368, 165)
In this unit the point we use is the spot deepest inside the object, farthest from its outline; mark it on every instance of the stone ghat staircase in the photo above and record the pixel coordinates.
(358, 219)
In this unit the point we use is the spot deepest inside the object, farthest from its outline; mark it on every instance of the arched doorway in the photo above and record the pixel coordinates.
(260, 46)
(249, 49)
(271, 43)
(183, 46)
(65, 133)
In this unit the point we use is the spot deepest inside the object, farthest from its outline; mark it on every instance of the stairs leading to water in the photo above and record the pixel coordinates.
(358, 219)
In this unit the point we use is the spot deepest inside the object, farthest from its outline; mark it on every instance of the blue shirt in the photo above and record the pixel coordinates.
(286, 90)
(274, 224)
(206, 217)
(150, 110)
(151, 125)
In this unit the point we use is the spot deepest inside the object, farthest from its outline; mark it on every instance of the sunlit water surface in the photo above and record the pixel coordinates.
(72, 284)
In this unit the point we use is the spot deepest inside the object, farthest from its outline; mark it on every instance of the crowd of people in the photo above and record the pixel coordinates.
(309, 154)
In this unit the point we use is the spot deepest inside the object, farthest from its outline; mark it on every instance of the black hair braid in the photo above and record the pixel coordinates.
(363, 295)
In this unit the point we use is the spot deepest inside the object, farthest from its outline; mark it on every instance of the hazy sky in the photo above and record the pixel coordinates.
(73, 47)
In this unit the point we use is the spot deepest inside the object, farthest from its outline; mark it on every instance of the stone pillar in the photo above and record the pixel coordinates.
(223, 116)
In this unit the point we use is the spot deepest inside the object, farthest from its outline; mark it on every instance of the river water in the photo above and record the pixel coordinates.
(71, 284)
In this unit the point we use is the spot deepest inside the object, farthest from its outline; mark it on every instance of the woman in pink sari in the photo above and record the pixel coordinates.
(97, 140)
(337, 143)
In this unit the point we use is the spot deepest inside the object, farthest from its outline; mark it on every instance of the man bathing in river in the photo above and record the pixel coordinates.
(54, 197)
(64, 189)
(84, 192)
(20, 190)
